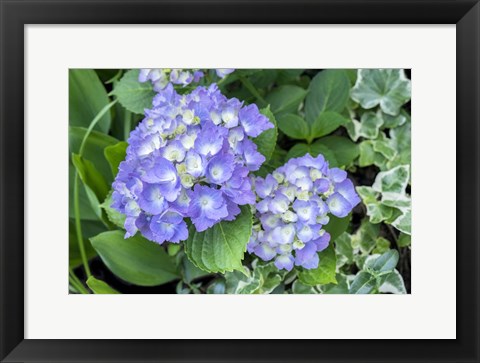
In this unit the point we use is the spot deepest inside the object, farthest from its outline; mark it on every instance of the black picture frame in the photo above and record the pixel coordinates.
(15, 14)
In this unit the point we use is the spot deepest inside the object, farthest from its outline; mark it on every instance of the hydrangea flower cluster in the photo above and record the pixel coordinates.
(190, 157)
(161, 77)
(292, 207)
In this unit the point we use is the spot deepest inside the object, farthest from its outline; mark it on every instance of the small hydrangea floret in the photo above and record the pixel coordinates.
(189, 158)
(161, 77)
(293, 205)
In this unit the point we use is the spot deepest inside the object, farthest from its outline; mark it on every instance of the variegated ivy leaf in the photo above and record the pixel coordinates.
(262, 280)
(392, 181)
(387, 200)
(368, 126)
(390, 122)
(387, 88)
(392, 283)
(387, 153)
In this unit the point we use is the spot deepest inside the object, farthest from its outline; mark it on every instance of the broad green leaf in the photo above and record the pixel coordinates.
(326, 123)
(314, 149)
(87, 212)
(367, 153)
(96, 189)
(100, 287)
(341, 287)
(345, 151)
(382, 263)
(364, 283)
(117, 218)
(394, 180)
(388, 88)
(86, 98)
(328, 91)
(267, 140)
(285, 99)
(392, 283)
(293, 126)
(90, 176)
(277, 160)
(132, 94)
(135, 260)
(221, 248)
(324, 273)
(336, 226)
(299, 288)
(190, 272)
(94, 149)
(115, 154)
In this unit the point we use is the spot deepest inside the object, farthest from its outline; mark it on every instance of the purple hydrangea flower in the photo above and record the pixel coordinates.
(189, 158)
(161, 77)
(293, 204)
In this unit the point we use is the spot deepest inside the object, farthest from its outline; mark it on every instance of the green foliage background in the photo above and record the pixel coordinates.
(358, 119)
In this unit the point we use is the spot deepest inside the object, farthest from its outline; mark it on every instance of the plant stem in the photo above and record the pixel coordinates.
(248, 85)
(76, 200)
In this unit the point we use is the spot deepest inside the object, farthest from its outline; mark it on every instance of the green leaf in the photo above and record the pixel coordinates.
(388, 88)
(117, 218)
(86, 98)
(404, 240)
(314, 149)
(286, 99)
(341, 287)
(382, 245)
(95, 186)
(326, 123)
(364, 283)
(94, 149)
(267, 140)
(343, 246)
(221, 248)
(100, 287)
(262, 280)
(328, 91)
(132, 94)
(277, 160)
(135, 260)
(115, 154)
(394, 180)
(299, 288)
(382, 263)
(345, 151)
(392, 283)
(336, 226)
(293, 126)
(190, 272)
(324, 273)
(90, 176)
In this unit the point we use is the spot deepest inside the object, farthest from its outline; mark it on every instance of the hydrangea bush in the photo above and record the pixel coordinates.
(240, 181)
